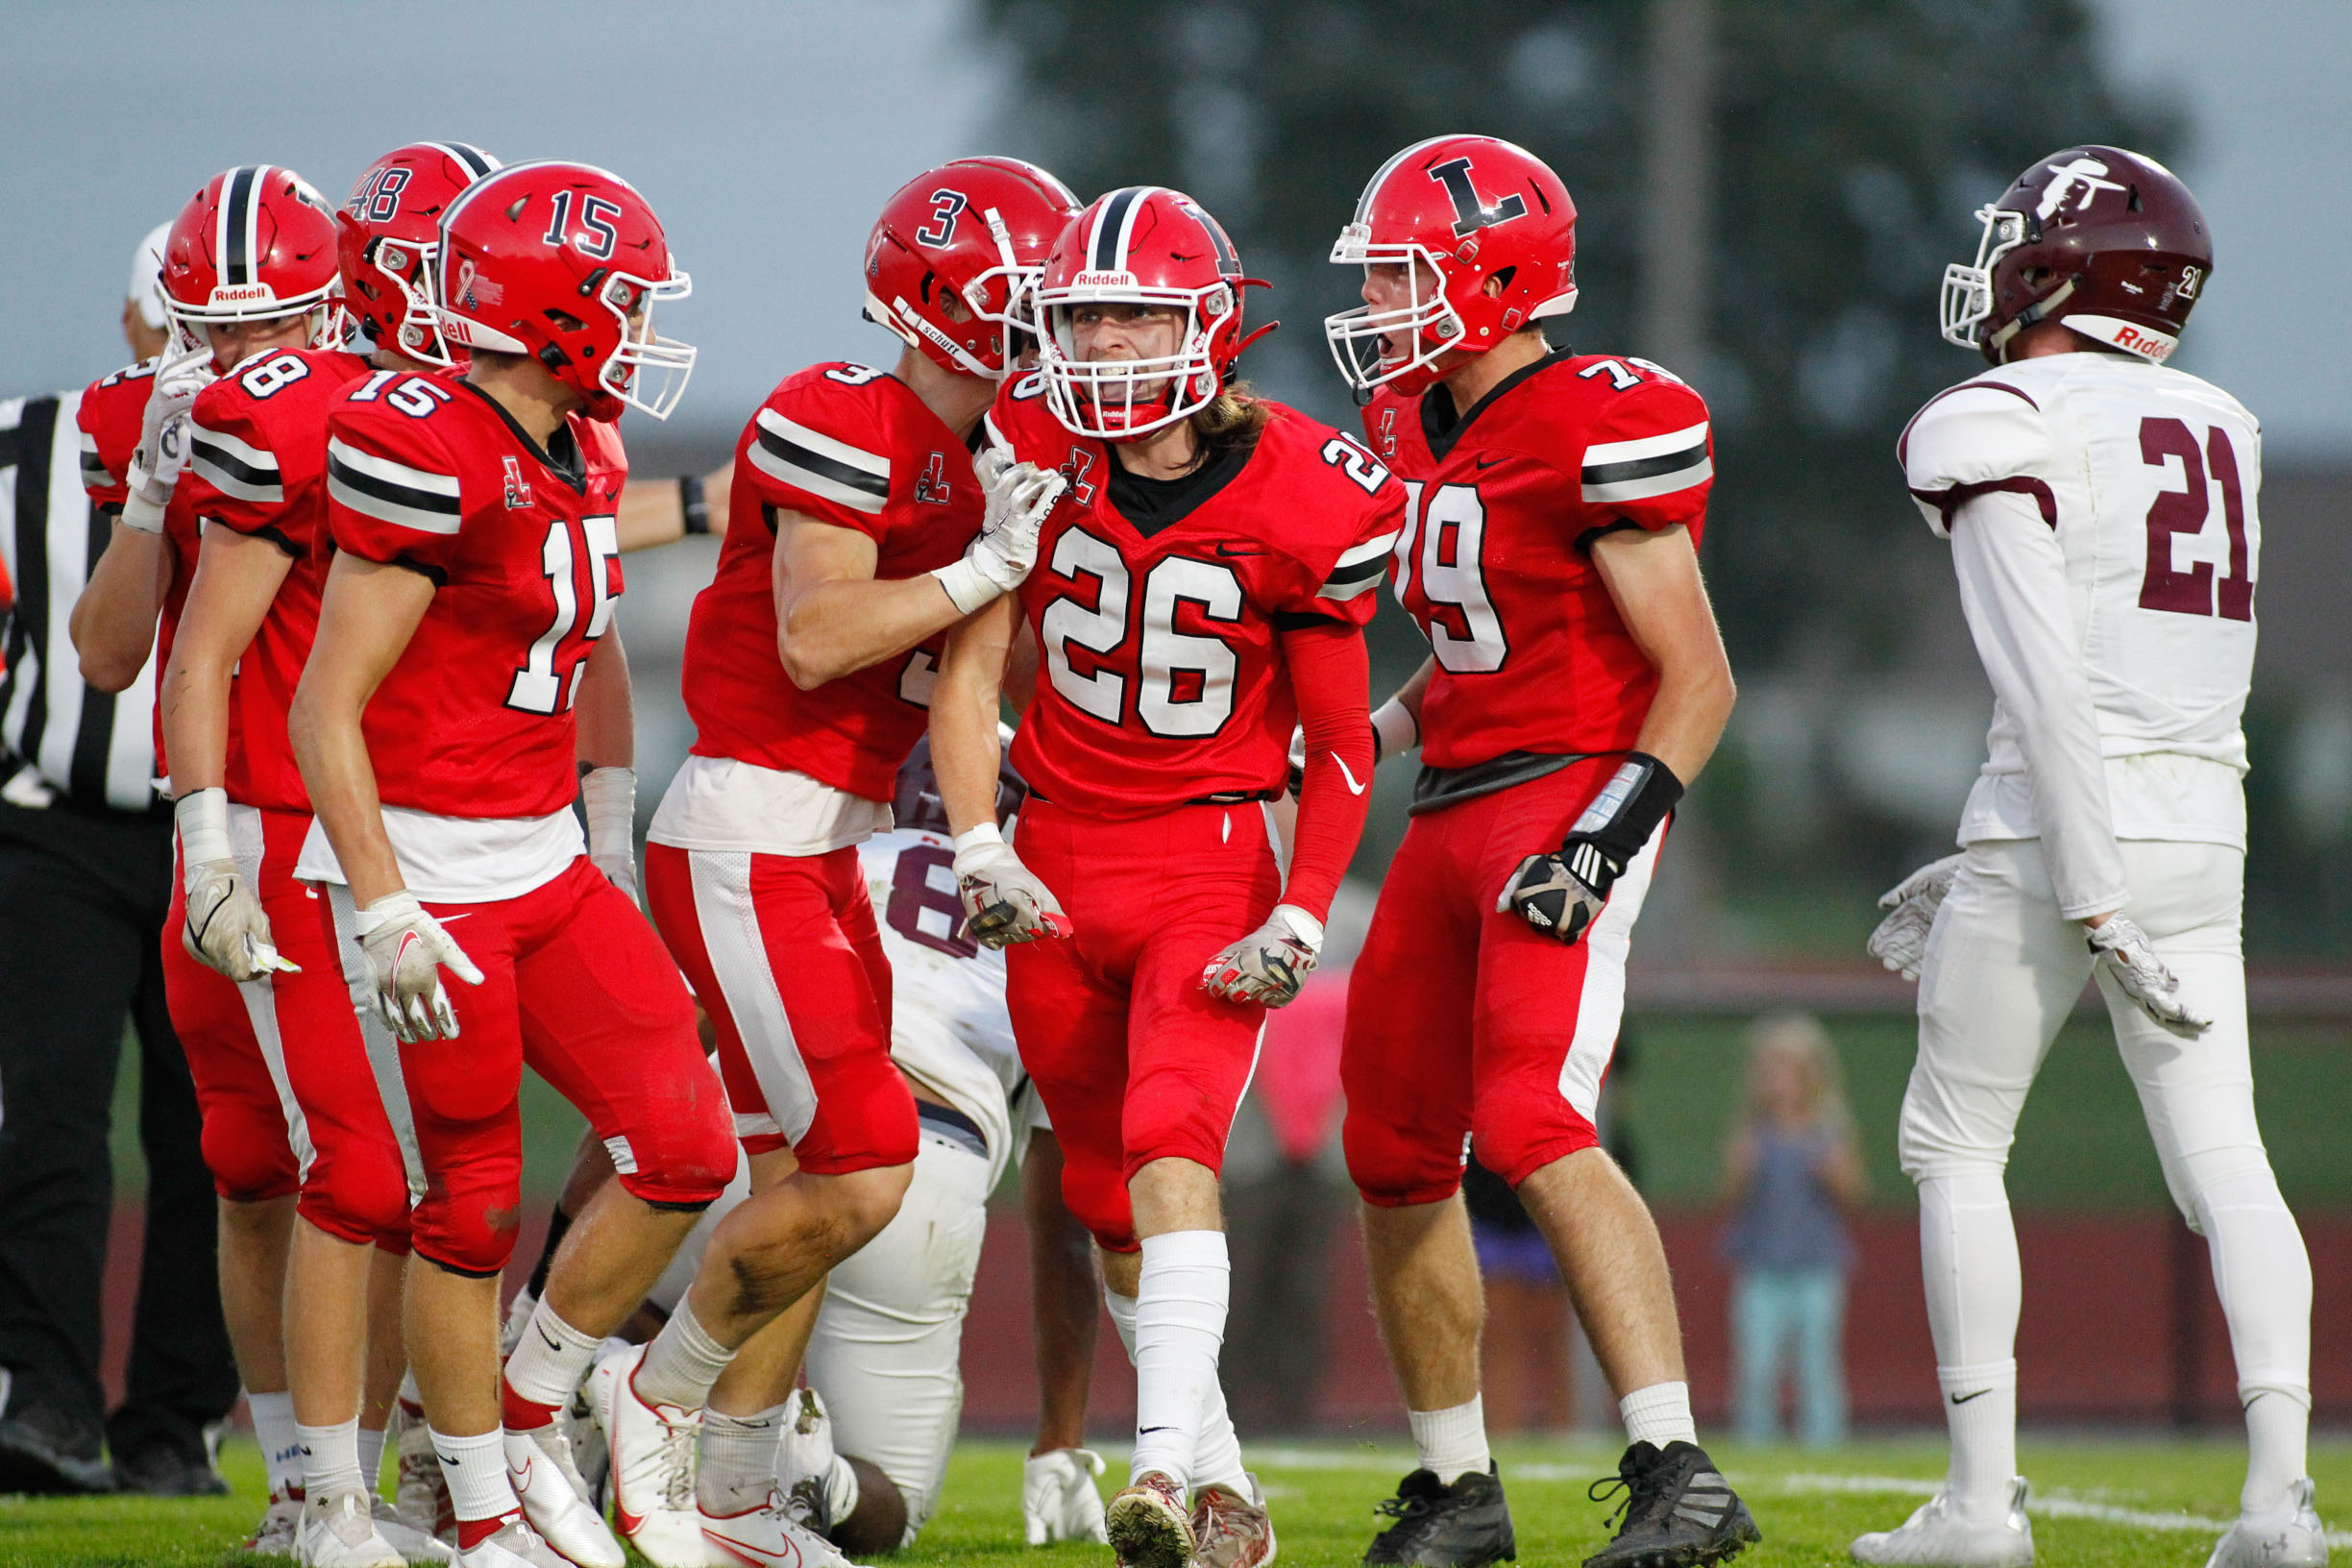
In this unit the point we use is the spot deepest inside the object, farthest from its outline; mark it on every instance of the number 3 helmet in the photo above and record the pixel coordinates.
(954, 253)
(2106, 240)
(389, 234)
(1142, 245)
(1457, 213)
(256, 243)
(564, 263)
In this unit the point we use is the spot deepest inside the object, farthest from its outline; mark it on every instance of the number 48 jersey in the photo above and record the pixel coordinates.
(426, 473)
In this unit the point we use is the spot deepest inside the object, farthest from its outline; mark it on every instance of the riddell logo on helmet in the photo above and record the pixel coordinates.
(1104, 279)
(2148, 345)
(244, 294)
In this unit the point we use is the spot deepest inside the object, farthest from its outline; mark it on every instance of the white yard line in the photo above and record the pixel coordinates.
(2057, 1506)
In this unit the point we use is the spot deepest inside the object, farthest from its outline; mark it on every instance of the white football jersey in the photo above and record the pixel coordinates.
(2149, 480)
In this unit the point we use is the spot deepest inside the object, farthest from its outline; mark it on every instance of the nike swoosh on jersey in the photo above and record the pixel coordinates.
(1229, 554)
(1353, 788)
(1489, 463)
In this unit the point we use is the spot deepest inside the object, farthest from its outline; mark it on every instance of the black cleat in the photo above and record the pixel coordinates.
(1462, 1526)
(1677, 1512)
(46, 1454)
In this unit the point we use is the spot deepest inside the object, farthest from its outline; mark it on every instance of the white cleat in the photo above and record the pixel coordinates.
(766, 1536)
(555, 1499)
(652, 1450)
(338, 1531)
(516, 1545)
(2287, 1537)
(421, 1494)
(412, 1544)
(1060, 1501)
(1939, 1538)
(281, 1526)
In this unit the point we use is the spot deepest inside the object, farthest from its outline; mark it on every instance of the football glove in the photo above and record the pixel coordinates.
(1268, 965)
(2123, 951)
(1003, 901)
(1561, 893)
(1058, 1500)
(225, 928)
(609, 798)
(1901, 941)
(1019, 496)
(406, 950)
(162, 447)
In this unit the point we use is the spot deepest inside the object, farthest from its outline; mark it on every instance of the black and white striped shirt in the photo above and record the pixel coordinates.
(56, 733)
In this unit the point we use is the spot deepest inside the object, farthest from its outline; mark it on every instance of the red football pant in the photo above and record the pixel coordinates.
(785, 955)
(1134, 1059)
(251, 1123)
(577, 984)
(1462, 1021)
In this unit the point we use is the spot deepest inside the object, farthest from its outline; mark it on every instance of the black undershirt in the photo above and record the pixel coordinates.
(1153, 504)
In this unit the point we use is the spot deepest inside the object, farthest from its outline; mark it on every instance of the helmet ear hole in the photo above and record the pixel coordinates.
(564, 323)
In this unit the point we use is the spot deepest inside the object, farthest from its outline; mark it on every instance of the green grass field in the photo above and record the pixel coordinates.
(2097, 1503)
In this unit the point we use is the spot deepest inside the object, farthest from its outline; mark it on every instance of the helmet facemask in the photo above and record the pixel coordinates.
(1967, 301)
(642, 356)
(1357, 336)
(405, 267)
(1120, 400)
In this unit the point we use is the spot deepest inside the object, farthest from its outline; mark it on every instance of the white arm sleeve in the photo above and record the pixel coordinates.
(2013, 589)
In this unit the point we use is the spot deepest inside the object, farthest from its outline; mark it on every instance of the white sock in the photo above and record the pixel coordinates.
(681, 1363)
(1218, 1460)
(330, 1458)
(2278, 1427)
(1981, 1406)
(1453, 1441)
(1180, 1327)
(476, 1470)
(371, 1457)
(548, 1361)
(735, 1466)
(1122, 1309)
(1659, 1414)
(273, 1419)
(2263, 1275)
(1968, 1267)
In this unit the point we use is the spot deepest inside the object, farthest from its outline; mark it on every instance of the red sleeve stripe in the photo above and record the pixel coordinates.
(392, 492)
(236, 469)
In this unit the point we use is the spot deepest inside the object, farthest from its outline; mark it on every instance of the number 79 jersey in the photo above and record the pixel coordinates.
(1161, 677)
(425, 471)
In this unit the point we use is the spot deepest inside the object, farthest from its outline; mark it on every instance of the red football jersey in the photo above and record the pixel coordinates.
(1495, 564)
(257, 465)
(857, 448)
(426, 472)
(1161, 677)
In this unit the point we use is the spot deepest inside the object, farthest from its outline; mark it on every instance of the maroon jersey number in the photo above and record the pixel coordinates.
(914, 893)
(2194, 592)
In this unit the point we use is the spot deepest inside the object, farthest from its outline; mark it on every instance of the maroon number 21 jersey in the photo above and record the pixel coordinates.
(1496, 562)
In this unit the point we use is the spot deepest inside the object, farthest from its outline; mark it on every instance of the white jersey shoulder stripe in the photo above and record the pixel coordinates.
(392, 492)
(234, 467)
(823, 445)
(1604, 453)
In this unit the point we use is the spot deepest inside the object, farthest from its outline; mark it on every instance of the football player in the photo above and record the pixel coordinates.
(1201, 586)
(808, 662)
(248, 273)
(1576, 685)
(465, 669)
(2101, 509)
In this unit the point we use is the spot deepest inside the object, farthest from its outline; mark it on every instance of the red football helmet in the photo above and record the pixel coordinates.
(564, 263)
(2107, 240)
(1141, 245)
(979, 227)
(254, 244)
(1464, 209)
(390, 232)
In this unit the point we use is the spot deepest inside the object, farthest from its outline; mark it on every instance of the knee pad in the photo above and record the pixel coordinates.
(2234, 1177)
(675, 1167)
(467, 1224)
(1393, 1168)
(1515, 1139)
(247, 1152)
(359, 1194)
(1098, 1198)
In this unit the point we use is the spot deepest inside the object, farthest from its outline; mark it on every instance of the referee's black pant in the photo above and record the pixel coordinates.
(83, 896)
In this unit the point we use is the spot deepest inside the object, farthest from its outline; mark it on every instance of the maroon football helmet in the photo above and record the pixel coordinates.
(2106, 240)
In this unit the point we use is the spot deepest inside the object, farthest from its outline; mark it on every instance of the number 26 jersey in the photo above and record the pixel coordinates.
(426, 473)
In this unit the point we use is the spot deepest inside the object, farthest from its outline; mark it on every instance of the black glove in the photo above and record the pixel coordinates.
(1561, 893)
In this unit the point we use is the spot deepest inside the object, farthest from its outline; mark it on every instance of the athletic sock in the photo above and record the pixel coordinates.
(330, 1458)
(2278, 1429)
(558, 1223)
(273, 1419)
(735, 1465)
(1968, 1268)
(1980, 1406)
(545, 1370)
(479, 1490)
(371, 1457)
(1180, 1327)
(1122, 1309)
(1217, 1461)
(1659, 1414)
(1453, 1441)
(2262, 1272)
(681, 1363)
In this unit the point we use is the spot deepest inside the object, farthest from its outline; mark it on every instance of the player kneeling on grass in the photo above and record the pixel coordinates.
(2106, 837)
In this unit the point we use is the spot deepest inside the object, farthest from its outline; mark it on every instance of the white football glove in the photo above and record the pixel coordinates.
(407, 950)
(1059, 1501)
(1005, 902)
(163, 437)
(1901, 941)
(1019, 496)
(609, 798)
(2123, 951)
(1268, 965)
(225, 928)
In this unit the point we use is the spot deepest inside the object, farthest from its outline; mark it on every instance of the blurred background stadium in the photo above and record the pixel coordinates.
(1767, 191)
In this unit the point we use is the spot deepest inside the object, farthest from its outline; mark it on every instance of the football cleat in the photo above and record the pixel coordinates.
(515, 1545)
(279, 1527)
(768, 1537)
(338, 1531)
(1937, 1533)
(1677, 1510)
(421, 1494)
(1230, 1530)
(805, 1461)
(1059, 1501)
(652, 1450)
(1149, 1525)
(555, 1499)
(2287, 1537)
(412, 1544)
(1461, 1525)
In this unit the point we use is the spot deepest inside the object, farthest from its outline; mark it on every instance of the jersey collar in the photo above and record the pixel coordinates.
(561, 456)
(1442, 430)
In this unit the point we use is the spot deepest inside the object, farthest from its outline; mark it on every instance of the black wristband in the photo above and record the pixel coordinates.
(1619, 820)
(693, 507)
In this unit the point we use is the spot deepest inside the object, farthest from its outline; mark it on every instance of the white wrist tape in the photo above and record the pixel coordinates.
(142, 514)
(974, 838)
(204, 827)
(367, 920)
(965, 587)
(609, 798)
(1398, 730)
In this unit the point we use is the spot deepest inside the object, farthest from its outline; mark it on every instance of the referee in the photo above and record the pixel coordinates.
(86, 867)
